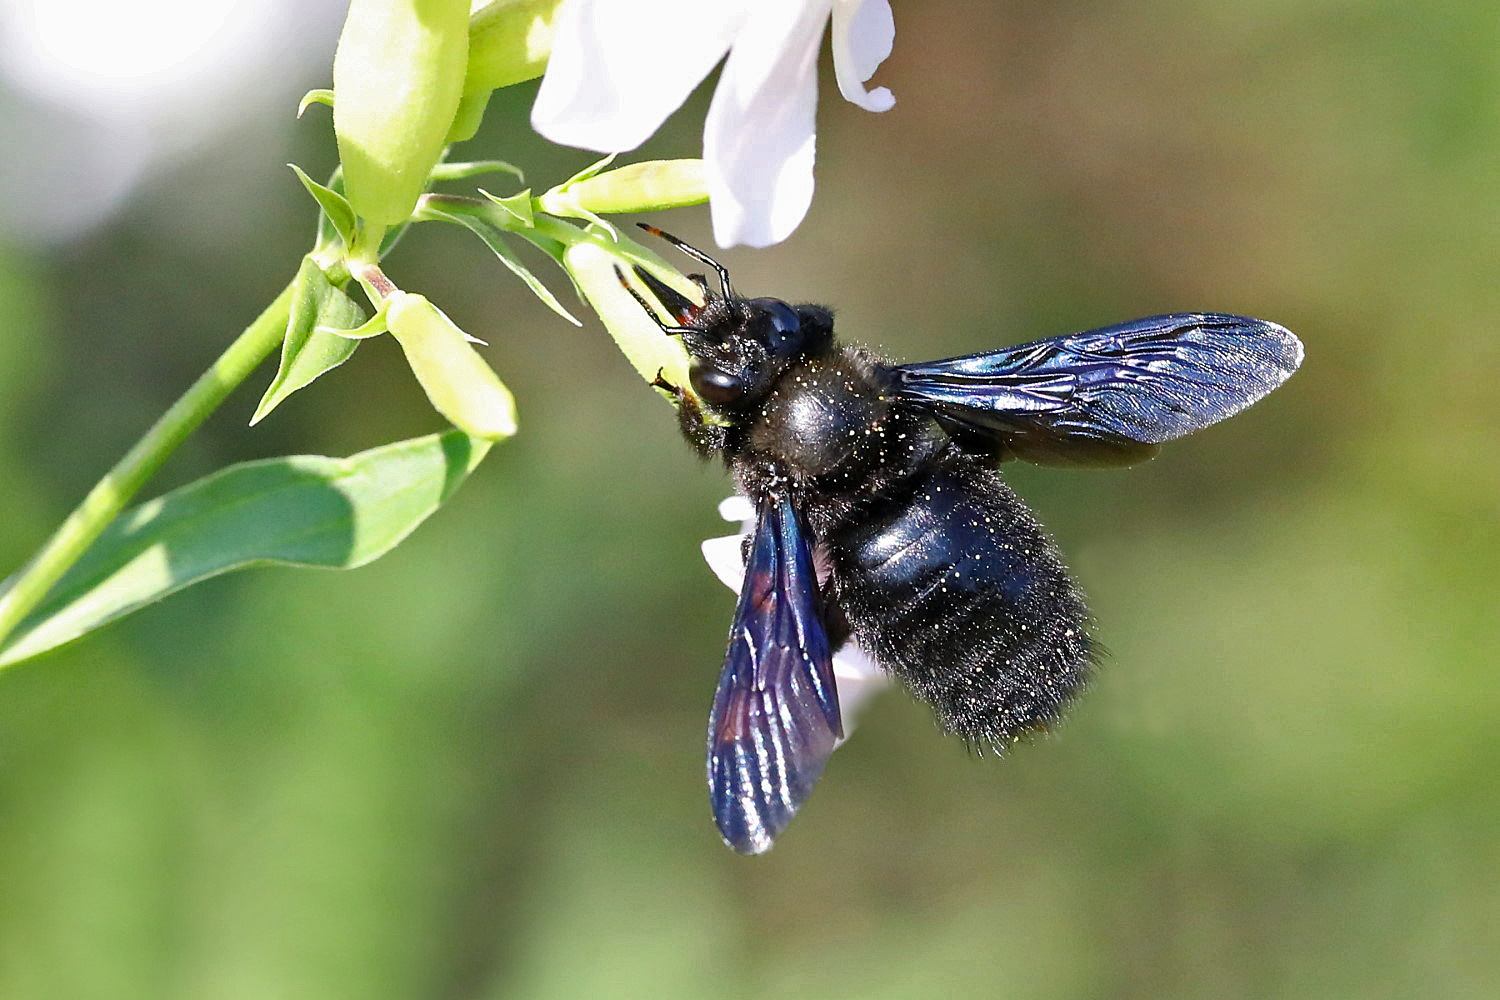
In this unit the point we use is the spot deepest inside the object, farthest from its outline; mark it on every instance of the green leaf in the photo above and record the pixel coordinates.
(334, 205)
(303, 510)
(329, 237)
(491, 237)
(311, 347)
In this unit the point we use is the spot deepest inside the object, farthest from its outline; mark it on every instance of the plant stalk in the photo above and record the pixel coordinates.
(110, 495)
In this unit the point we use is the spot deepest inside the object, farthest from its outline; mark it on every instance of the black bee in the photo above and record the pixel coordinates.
(932, 564)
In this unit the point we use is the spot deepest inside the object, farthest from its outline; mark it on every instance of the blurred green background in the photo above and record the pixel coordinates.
(474, 769)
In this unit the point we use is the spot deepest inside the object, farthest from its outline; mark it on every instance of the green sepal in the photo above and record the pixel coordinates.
(518, 206)
(303, 510)
(592, 170)
(310, 348)
(324, 97)
(577, 212)
(335, 206)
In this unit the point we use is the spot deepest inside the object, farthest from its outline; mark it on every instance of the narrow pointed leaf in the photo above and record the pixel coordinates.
(314, 97)
(302, 510)
(491, 237)
(372, 327)
(334, 205)
(591, 170)
(474, 168)
(311, 348)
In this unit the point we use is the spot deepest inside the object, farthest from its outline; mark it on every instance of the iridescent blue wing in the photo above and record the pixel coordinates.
(1107, 396)
(775, 718)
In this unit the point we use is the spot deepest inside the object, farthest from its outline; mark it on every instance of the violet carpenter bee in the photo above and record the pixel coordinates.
(933, 565)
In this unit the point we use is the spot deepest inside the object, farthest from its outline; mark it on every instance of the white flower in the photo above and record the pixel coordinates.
(620, 67)
(857, 674)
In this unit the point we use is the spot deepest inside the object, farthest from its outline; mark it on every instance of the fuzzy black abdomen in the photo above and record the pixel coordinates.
(958, 591)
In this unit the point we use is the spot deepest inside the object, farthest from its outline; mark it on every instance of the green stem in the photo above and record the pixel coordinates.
(110, 495)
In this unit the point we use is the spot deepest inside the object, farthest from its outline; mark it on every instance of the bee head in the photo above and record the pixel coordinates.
(739, 346)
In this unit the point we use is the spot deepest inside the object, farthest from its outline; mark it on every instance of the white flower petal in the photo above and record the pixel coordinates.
(758, 139)
(863, 33)
(859, 678)
(737, 508)
(618, 70)
(725, 556)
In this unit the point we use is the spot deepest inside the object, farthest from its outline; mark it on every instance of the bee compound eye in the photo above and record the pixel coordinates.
(782, 325)
(783, 317)
(715, 386)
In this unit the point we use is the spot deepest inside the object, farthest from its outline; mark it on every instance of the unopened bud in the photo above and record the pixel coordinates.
(639, 187)
(509, 42)
(653, 353)
(456, 379)
(397, 78)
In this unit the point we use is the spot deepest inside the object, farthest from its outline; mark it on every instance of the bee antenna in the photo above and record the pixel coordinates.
(695, 253)
(669, 330)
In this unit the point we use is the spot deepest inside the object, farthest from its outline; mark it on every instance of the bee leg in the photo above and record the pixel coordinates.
(706, 438)
(987, 448)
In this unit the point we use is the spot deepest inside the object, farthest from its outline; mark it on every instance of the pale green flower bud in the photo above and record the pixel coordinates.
(653, 353)
(639, 187)
(397, 79)
(509, 42)
(456, 379)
